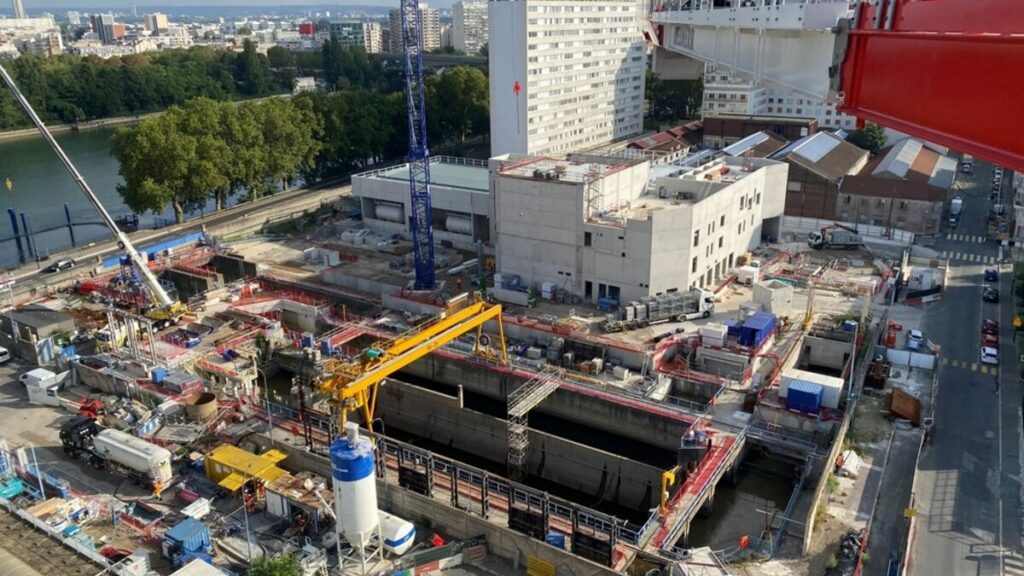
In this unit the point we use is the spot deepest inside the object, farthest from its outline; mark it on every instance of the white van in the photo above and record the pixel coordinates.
(5, 355)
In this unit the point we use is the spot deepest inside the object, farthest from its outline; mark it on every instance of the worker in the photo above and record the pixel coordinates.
(158, 488)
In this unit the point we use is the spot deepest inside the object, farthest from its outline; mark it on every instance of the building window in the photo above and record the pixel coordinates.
(693, 267)
(587, 238)
(696, 238)
(903, 205)
(721, 239)
(721, 222)
(847, 199)
(757, 199)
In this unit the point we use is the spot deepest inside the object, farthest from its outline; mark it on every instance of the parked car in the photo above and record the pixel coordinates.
(914, 339)
(5, 355)
(991, 275)
(989, 355)
(62, 264)
(990, 327)
(990, 295)
(990, 340)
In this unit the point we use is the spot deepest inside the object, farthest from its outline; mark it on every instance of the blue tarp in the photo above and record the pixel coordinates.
(147, 251)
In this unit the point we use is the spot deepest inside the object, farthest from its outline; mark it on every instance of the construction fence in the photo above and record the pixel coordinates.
(799, 224)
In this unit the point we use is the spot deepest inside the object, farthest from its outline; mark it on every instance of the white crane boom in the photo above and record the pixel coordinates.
(151, 281)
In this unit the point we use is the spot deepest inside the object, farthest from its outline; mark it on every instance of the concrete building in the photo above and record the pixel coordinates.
(818, 164)
(36, 330)
(760, 145)
(156, 23)
(564, 76)
(19, 9)
(373, 37)
(469, 26)
(46, 44)
(103, 25)
(906, 187)
(74, 19)
(429, 22)
(460, 199)
(622, 229)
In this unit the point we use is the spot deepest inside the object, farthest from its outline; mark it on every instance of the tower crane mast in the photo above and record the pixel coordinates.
(419, 154)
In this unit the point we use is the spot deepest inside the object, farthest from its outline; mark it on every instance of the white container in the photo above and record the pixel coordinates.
(534, 353)
(711, 342)
(355, 487)
(277, 505)
(714, 331)
(831, 387)
(620, 372)
(748, 275)
(198, 509)
(135, 453)
(398, 535)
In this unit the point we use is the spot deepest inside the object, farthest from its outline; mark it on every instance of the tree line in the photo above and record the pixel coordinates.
(69, 89)
(209, 149)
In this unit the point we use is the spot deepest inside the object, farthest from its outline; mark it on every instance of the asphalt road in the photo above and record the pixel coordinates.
(968, 480)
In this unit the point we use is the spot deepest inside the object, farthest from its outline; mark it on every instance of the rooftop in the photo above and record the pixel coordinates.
(574, 171)
(912, 160)
(825, 154)
(446, 171)
(759, 145)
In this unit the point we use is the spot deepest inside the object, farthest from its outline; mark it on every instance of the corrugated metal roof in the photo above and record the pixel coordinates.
(806, 387)
(246, 465)
(899, 159)
(745, 144)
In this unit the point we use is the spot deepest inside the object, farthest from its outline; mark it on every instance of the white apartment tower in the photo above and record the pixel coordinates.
(565, 76)
(19, 9)
(431, 29)
(469, 26)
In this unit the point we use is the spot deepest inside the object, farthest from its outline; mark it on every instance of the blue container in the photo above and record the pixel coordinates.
(327, 348)
(850, 326)
(804, 397)
(188, 536)
(556, 539)
(308, 341)
(158, 375)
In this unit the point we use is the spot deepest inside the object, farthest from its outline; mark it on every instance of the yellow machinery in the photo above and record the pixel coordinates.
(354, 384)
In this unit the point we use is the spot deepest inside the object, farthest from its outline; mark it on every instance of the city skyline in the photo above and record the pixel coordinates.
(36, 6)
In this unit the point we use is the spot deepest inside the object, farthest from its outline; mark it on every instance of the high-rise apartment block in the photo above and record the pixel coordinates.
(19, 9)
(156, 23)
(564, 76)
(103, 25)
(429, 22)
(74, 19)
(469, 26)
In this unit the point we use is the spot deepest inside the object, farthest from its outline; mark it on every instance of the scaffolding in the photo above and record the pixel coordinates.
(520, 402)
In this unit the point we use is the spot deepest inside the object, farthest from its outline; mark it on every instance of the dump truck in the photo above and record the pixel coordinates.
(674, 306)
(145, 464)
(835, 236)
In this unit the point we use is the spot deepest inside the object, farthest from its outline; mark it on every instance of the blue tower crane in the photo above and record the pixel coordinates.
(419, 155)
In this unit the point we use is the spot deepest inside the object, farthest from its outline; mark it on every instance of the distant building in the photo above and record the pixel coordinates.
(118, 31)
(307, 29)
(156, 23)
(353, 33)
(469, 26)
(564, 76)
(818, 166)
(74, 19)
(103, 26)
(446, 35)
(906, 187)
(759, 145)
(19, 9)
(46, 44)
(429, 22)
(725, 129)
(611, 228)
(303, 84)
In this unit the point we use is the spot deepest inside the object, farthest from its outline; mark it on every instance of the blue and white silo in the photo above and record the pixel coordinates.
(355, 488)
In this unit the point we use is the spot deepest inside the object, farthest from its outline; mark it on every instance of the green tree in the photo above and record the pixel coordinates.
(280, 57)
(252, 71)
(163, 163)
(460, 97)
(485, 50)
(672, 100)
(285, 565)
(871, 138)
(290, 141)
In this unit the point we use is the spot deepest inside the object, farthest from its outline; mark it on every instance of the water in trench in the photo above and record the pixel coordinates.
(764, 486)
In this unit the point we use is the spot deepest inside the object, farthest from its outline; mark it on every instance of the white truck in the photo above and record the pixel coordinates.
(145, 463)
(674, 306)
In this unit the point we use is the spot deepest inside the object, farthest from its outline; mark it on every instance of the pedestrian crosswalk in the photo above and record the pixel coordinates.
(1013, 564)
(972, 366)
(967, 238)
(968, 257)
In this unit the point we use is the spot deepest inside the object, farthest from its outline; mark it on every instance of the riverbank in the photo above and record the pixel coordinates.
(78, 127)
(113, 122)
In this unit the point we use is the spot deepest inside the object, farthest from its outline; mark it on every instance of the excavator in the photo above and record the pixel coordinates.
(165, 310)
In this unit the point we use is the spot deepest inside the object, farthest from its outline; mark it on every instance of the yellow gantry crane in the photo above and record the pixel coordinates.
(354, 384)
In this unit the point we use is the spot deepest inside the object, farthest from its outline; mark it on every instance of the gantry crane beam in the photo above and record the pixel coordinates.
(354, 385)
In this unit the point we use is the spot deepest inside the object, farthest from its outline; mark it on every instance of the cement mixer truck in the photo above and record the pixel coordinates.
(144, 463)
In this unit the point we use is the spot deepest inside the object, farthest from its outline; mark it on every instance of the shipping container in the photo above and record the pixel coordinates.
(832, 387)
(188, 536)
(804, 397)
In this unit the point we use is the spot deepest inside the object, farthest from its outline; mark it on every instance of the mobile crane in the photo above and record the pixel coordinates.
(165, 310)
(353, 385)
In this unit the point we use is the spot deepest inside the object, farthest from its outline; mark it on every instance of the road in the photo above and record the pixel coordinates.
(968, 480)
(29, 276)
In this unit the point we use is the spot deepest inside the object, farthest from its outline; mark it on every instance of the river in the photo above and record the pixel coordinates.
(42, 186)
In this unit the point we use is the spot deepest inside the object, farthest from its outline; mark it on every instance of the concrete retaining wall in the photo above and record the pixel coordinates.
(441, 418)
(590, 411)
